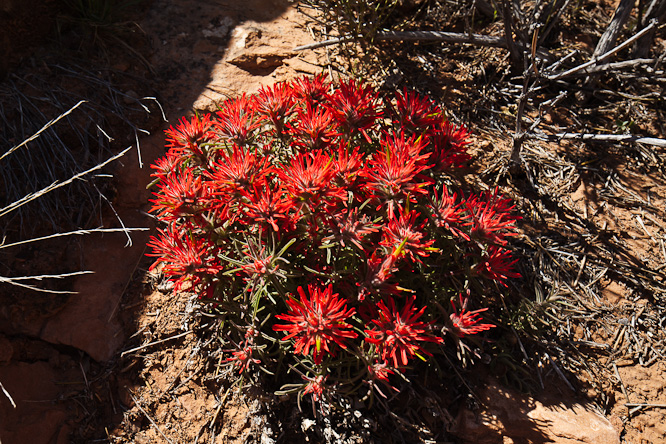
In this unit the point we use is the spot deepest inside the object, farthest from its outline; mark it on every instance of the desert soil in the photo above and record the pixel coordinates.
(124, 360)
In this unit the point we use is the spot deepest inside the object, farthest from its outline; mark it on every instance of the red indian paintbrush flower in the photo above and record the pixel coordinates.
(259, 263)
(349, 227)
(416, 113)
(184, 257)
(167, 166)
(274, 105)
(317, 321)
(398, 334)
(237, 173)
(347, 164)
(237, 121)
(467, 322)
(311, 89)
(447, 213)
(379, 373)
(497, 264)
(376, 279)
(404, 236)
(180, 196)
(355, 107)
(448, 147)
(313, 129)
(316, 386)
(392, 174)
(242, 358)
(269, 206)
(187, 136)
(309, 179)
(491, 217)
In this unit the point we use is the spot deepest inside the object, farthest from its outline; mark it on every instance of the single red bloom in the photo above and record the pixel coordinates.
(398, 334)
(416, 113)
(315, 386)
(448, 146)
(317, 322)
(356, 107)
(378, 271)
(347, 165)
(167, 166)
(309, 179)
(348, 227)
(313, 129)
(180, 195)
(237, 121)
(491, 217)
(311, 89)
(260, 264)
(379, 372)
(447, 212)
(467, 322)
(407, 147)
(274, 104)
(268, 206)
(497, 264)
(405, 237)
(242, 358)
(237, 173)
(184, 257)
(188, 135)
(392, 174)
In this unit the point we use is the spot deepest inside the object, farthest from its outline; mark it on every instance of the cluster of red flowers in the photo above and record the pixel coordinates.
(338, 197)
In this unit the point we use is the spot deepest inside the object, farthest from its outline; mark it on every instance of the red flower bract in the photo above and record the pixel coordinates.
(268, 206)
(404, 236)
(448, 147)
(416, 113)
(181, 196)
(355, 107)
(497, 264)
(242, 358)
(236, 121)
(467, 322)
(274, 105)
(237, 172)
(348, 227)
(392, 174)
(183, 257)
(447, 213)
(311, 89)
(309, 179)
(399, 335)
(314, 128)
(317, 321)
(187, 136)
(316, 386)
(491, 217)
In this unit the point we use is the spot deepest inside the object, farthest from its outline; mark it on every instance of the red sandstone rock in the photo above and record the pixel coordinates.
(508, 417)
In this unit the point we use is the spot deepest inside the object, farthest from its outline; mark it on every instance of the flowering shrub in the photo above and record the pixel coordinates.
(321, 225)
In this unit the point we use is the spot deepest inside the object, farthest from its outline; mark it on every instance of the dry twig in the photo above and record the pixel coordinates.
(602, 138)
(606, 55)
(152, 421)
(434, 36)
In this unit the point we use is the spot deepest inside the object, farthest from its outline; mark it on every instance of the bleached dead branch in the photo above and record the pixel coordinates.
(71, 233)
(55, 185)
(44, 128)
